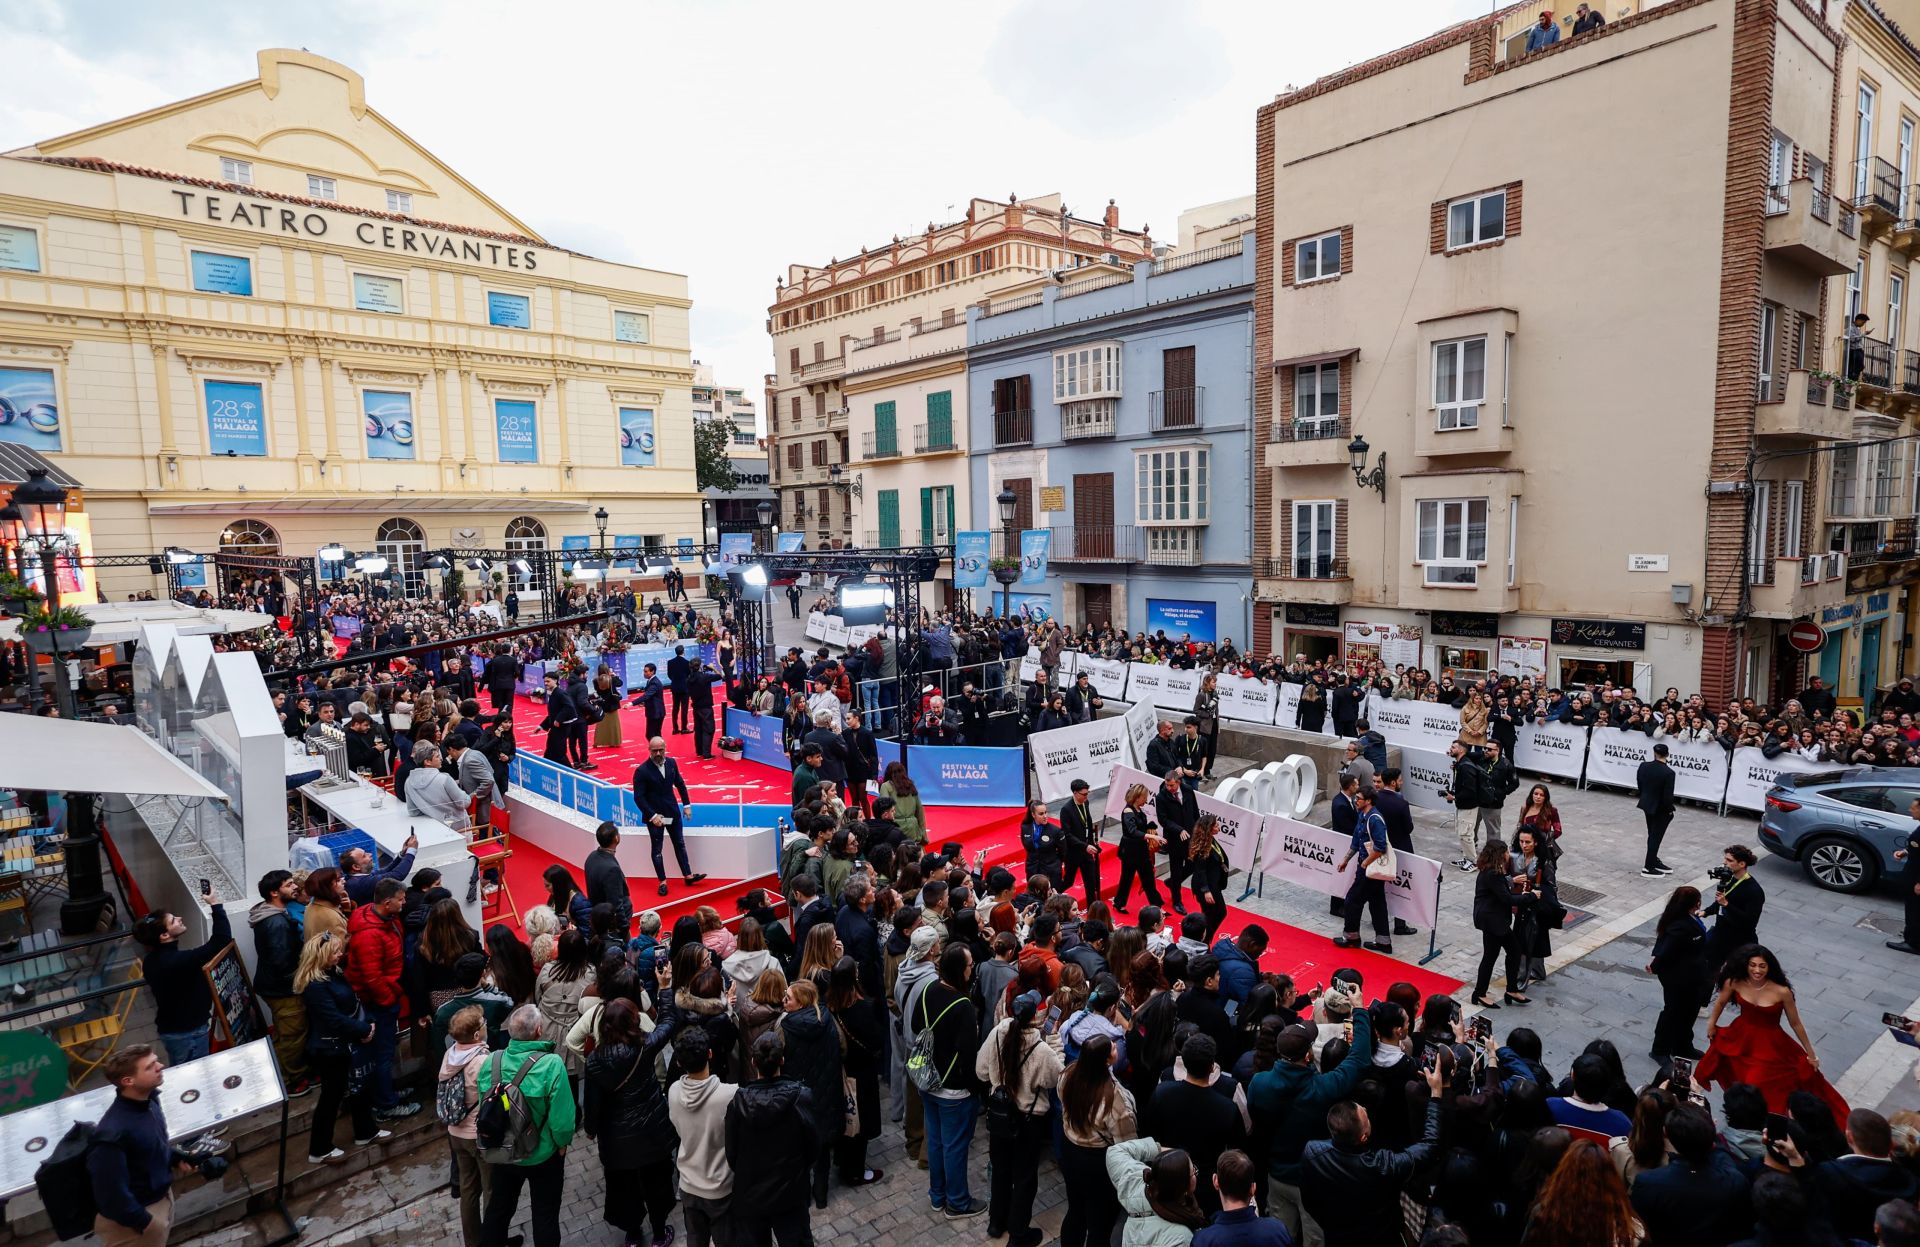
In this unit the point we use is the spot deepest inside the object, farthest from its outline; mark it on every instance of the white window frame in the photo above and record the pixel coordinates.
(239, 172)
(1790, 535)
(1513, 541)
(1856, 286)
(1769, 340)
(1896, 304)
(401, 202)
(1306, 514)
(1312, 381)
(1450, 521)
(1905, 162)
(1506, 381)
(1083, 372)
(1179, 542)
(1779, 171)
(1456, 410)
(1317, 248)
(1477, 231)
(1863, 105)
(319, 187)
(1759, 528)
(1886, 476)
(1171, 485)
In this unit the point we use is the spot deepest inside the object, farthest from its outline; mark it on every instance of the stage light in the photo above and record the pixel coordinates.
(589, 569)
(520, 567)
(438, 563)
(754, 575)
(864, 602)
(177, 556)
(478, 565)
(332, 552)
(372, 564)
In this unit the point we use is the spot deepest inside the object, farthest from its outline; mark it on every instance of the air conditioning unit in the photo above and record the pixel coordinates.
(1110, 258)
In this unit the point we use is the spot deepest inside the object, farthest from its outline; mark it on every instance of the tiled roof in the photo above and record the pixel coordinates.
(1459, 32)
(17, 460)
(97, 165)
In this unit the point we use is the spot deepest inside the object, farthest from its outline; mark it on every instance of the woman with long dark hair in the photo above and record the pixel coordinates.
(1583, 1203)
(511, 962)
(863, 1044)
(1645, 1147)
(443, 941)
(1754, 1048)
(626, 1114)
(1096, 1112)
(1536, 856)
(813, 1057)
(1494, 901)
(1156, 1190)
(1686, 980)
(1207, 872)
(1020, 1069)
(566, 899)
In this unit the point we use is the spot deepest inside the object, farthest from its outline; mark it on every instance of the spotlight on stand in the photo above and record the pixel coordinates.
(589, 569)
(332, 552)
(371, 564)
(478, 565)
(863, 602)
(437, 563)
(748, 582)
(520, 568)
(177, 556)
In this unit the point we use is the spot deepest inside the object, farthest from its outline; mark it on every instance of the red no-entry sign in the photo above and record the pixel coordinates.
(1806, 636)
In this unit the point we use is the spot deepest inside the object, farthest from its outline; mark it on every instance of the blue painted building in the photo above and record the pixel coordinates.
(1117, 406)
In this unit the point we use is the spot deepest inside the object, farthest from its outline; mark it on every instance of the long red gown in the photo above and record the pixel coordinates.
(1754, 1049)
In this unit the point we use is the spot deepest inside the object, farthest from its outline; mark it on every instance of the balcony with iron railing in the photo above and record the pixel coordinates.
(1802, 228)
(1088, 418)
(1093, 543)
(1296, 443)
(1013, 428)
(934, 439)
(879, 444)
(1876, 193)
(1868, 363)
(1177, 409)
(1219, 251)
(1319, 579)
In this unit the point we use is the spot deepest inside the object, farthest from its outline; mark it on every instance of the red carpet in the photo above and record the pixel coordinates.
(1309, 957)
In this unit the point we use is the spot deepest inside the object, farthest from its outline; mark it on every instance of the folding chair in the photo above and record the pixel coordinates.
(88, 1044)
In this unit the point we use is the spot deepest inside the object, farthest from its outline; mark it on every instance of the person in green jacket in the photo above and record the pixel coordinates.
(1289, 1107)
(550, 1096)
(807, 774)
(907, 810)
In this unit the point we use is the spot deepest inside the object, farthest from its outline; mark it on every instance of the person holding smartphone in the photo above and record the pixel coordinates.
(183, 1000)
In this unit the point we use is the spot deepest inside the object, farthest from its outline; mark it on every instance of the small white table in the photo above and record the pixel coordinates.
(384, 817)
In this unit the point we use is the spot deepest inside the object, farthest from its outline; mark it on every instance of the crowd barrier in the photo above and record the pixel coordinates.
(610, 802)
(620, 662)
(944, 774)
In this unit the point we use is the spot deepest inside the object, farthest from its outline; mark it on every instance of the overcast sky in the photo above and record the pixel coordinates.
(724, 139)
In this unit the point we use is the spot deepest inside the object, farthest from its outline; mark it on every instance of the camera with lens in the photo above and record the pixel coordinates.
(1720, 874)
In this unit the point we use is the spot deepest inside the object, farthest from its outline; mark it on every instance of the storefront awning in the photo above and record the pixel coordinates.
(68, 755)
(16, 461)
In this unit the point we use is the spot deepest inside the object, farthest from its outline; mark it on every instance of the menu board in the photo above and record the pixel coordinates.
(236, 1017)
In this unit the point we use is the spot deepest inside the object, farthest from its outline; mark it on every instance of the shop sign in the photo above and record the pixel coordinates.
(1470, 625)
(1311, 615)
(1600, 633)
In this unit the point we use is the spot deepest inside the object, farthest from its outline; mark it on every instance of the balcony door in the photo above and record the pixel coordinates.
(1096, 606)
(1093, 515)
(1178, 404)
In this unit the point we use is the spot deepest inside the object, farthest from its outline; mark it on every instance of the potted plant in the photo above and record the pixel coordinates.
(55, 631)
(732, 748)
(15, 593)
(1005, 570)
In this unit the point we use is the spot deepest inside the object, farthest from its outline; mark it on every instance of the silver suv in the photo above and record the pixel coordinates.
(1842, 825)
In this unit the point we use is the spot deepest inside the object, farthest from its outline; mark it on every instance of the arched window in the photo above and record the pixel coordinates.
(250, 537)
(405, 545)
(526, 533)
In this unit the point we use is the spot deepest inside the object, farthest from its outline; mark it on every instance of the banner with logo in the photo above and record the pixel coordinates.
(1287, 709)
(1309, 857)
(962, 775)
(1699, 766)
(817, 626)
(1427, 775)
(1036, 546)
(760, 734)
(236, 418)
(1170, 688)
(1414, 724)
(1088, 751)
(1250, 701)
(970, 560)
(1142, 725)
(1558, 749)
(388, 416)
(627, 541)
(835, 631)
(1240, 828)
(1753, 772)
(735, 549)
(1030, 664)
(789, 543)
(516, 429)
(636, 437)
(1182, 619)
(1108, 678)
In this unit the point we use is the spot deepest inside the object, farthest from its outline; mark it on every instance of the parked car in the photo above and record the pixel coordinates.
(1842, 825)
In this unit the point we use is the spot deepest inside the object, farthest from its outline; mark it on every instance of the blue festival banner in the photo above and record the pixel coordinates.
(961, 775)
(191, 575)
(628, 541)
(516, 426)
(510, 311)
(389, 421)
(761, 735)
(1035, 607)
(222, 274)
(1180, 618)
(532, 679)
(542, 778)
(236, 418)
(636, 437)
(1036, 545)
(29, 408)
(617, 664)
(789, 543)
(686, 550)
(735, 548)
(578, 542)
(970, 559)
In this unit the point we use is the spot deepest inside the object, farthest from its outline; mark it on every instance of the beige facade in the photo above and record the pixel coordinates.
(1538, 284)
(281, 234)
(820, 313)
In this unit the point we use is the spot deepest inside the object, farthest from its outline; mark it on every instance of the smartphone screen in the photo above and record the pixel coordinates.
(1682, 1071)
(1481, 1028)
(1894, 1019)
(206, 887)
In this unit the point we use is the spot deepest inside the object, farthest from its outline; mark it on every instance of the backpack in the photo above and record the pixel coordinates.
(1070, 1041)
(65, 1187)
(926, 1075)
(505, 1127)
(450, 1103)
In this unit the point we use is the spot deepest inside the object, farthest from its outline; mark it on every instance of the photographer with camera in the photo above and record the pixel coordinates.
(131, 1163)
(1737, 901)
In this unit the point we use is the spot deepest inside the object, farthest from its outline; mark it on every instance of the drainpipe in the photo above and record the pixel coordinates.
(1254, 466)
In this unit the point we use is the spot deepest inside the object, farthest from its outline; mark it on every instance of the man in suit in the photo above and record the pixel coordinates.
(1080, 835)
(1737, 903)
(833, 750)
(1163, 752)
(1909, 941)
(655, 782)
(863, 761)
(652, 697)
(678, 669)
(1344, 705)
(500, 675)
(558, 724)
(1655, 782)
(582, 694)
(606, 881)
(1393, 810)
(793, 598)
(1176, 809)
(699, 692)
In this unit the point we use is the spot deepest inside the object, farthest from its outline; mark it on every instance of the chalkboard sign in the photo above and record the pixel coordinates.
(236, 1018)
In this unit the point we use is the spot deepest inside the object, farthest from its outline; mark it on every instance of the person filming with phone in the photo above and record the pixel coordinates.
(183, 1001)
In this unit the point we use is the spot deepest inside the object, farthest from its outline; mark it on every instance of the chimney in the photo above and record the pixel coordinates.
(1014, 217)
(1113, 215)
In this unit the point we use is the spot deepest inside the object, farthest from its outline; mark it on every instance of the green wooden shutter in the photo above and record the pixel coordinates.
(940, 421)
(949, 513)
(886, 439)
(889, 518)
(926, 516)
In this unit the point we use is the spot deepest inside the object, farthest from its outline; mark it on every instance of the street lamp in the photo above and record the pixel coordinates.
(600, 522)
(1357, 460)
(764, 512)
(42, 505)
(1009, 504)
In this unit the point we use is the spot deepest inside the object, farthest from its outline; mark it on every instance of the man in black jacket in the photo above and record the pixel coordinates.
(1465, 793)
(1654, 779)
(1089, 952)
(1201, 1003)
(972, 709)
(1855, 1185)
(131, 1163)
(655, 784)
(678, 668)
(276, 946)
(1699, 1196)
(699, 696)
(606, 881)
(651, 697)
(1163, 753)
(558, 723)
(863, 760)
(1736, 906)
(1176, 809)
(500, 675)
(770, 1146)
(1190, 1114)
(1344, 705)
(859, 934)
(183, 1002)
(1083, 703)
(1352, 1190)
(1080, 841)
(1393, 810)
(833, 750)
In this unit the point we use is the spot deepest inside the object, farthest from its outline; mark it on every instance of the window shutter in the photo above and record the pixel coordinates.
(885, 432)
(926, 514)
(950, 528)
(889, 518)
(940, 419)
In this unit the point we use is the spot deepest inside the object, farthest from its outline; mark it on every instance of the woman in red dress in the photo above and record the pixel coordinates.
(1753, 1048)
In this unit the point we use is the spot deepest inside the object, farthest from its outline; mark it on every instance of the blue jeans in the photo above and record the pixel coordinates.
(385, 1037)
(949, 1135)
(187, 1045)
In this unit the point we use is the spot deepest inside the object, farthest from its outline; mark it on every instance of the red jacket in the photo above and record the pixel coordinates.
(374, 957)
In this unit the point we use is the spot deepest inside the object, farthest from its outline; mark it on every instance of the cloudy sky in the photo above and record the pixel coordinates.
(726, 138)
